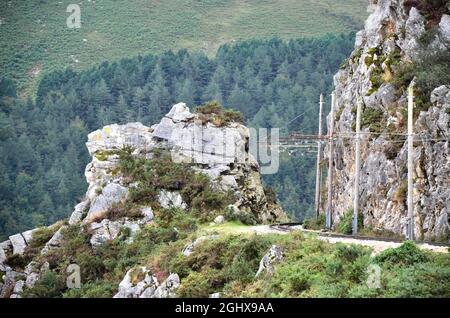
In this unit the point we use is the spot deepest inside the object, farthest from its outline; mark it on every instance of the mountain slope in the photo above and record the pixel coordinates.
(144, 228)
(34, 38)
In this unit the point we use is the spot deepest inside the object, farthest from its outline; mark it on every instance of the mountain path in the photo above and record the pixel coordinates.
(377, 245)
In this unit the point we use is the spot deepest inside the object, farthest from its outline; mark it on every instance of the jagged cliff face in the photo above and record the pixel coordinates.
(392, 38)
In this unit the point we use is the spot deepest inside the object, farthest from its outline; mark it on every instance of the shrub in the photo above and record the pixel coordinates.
(215, 113)
(42, 235)
(50, 285)
(160, 173)
(345, 225)
(314, 223)
(350, 253)
(245, 218)
(122, 210)
(18, 261)
(429, 71)
(424, 280)
(246, 261)
(291, 280)
(374, 119)
(407, 254)
(400, 194)
(97, 289)
(170, 218)
(201, 284)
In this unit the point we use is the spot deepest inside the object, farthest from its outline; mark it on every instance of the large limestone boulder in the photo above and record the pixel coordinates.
(220, 152)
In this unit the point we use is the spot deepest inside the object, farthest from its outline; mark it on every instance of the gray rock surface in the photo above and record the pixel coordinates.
(128, 288)
(444, 29)
(168, 288)
(147, 212)
(77, 214)
(169, 200)
(104, 231)
(112, 194)
(390, 29)
(18, 243)
(140, 283)
(2, 256)
(219, 220)
(274, 256)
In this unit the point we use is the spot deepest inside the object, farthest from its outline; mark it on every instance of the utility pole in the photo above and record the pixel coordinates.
(330, 164)
(410, 225)
(319, 159)
(357, 168)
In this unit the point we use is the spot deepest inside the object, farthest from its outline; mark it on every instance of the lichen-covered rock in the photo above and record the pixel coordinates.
(392, 34)
(169, 200)
(104, 231)
(108, 230)
(6, 246)
(31, 280)
(274, 256)
(444, 29)
(55, 240)
(147, 214)
(77, 214)
(9, 282)
(140, 283)
(168, 288)
(18, 243)
(219, 219)
(112, 194)
(134, 283)
(222, 153)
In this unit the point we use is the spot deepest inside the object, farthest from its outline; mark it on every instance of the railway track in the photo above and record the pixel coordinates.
(289, 227)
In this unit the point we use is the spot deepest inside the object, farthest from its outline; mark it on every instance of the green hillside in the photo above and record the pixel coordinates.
(34, 37)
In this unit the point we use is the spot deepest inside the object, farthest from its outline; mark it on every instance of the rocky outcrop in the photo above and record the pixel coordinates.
(20, 241)
(140, 283)
(222, 153)
(392, 35)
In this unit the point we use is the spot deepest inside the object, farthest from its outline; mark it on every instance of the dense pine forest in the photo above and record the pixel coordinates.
(42, 151)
